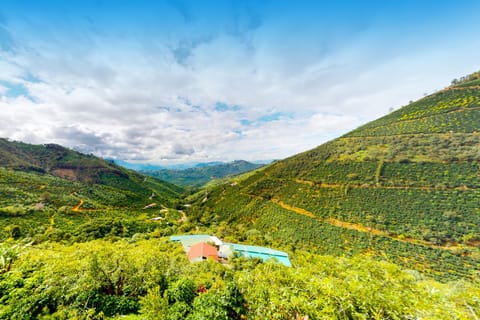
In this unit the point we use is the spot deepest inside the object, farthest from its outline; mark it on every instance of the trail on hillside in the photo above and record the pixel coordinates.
(77, 207)
(360, 228)
(183, 218)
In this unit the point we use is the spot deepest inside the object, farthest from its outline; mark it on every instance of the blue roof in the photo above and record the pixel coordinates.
(261, 252)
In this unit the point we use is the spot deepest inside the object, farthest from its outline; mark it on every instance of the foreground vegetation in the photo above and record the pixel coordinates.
(150, 278)
(102, 261)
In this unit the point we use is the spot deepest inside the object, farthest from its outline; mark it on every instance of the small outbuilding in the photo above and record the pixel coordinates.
(202, 251)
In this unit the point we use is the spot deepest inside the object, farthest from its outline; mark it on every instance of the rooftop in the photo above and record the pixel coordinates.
(190, 241)
(201, 251)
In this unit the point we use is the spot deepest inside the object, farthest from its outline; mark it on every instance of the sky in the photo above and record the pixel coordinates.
(178, 81)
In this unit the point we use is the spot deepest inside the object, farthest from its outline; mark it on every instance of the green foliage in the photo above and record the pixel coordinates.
(97, 275)
(153, 278)
(449, 110)
(182, 290)
(220, 304)
(41, 206)
(8, 254)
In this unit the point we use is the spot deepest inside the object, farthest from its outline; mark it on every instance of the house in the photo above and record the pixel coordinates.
(202, 251)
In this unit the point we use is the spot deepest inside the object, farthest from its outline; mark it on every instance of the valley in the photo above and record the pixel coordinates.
(202, 174)
(381, 223)
(239, 160)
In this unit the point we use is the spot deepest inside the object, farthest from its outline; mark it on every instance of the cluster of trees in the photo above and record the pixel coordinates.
(317, 236)
(465, 120)
(28, 188)
(39, 206)
(416, 211)
(409, 211)
(470, 80)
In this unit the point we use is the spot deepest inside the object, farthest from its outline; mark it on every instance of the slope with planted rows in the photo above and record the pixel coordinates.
(404, 188)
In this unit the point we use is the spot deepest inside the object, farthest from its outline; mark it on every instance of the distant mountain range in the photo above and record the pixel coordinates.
(202, 173)
(179, 166)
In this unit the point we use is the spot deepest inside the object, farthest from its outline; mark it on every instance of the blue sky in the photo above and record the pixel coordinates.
(183, 81)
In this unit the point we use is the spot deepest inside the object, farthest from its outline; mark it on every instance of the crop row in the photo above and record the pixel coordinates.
(465, 120)
(436, 104)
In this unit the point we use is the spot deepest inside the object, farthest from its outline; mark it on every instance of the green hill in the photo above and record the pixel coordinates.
(49, 187)
(200, 175)
(403, 188)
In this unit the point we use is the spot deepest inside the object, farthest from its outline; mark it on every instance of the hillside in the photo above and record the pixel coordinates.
(201, 174)
(49, 187)
(64, 163)
(403, 188)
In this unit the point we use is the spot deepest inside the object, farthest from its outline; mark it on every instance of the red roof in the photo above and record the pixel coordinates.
(203, 250)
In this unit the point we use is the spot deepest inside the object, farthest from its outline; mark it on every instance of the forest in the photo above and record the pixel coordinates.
(147, 277)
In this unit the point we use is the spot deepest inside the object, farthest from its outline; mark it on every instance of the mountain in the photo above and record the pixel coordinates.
(88, 170)
(55, 189)
(136, 166)
(404, 188)
(203, 172)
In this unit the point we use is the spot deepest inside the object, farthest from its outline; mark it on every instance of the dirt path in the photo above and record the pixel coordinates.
(77, 207)
(183, 218)
(361, 228)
